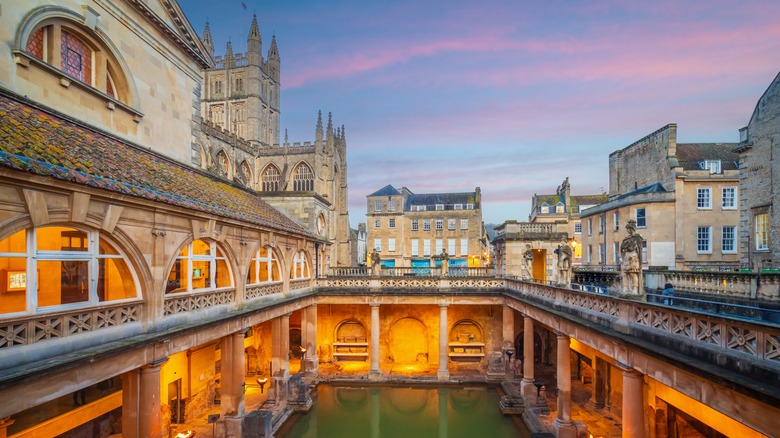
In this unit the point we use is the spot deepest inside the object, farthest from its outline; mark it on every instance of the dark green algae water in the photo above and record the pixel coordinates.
(404, 412)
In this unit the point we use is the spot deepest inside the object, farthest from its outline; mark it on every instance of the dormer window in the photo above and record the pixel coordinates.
(544, 209)
(439, 207)
(559, 208)
(458, 207)
(712, 165)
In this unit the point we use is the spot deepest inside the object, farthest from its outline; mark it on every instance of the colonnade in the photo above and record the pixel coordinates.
(141, 388)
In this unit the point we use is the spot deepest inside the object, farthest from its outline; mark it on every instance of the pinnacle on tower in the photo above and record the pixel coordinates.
(344, 134)
(273, 52)
(229, 61)
(319, 127)
(254, 43)
(329, 131)
(286, 139)
(208, 43)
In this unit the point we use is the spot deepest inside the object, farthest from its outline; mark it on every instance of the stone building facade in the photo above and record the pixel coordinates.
(239, 140)
(410, 230)
(759, 219)
(683, 196)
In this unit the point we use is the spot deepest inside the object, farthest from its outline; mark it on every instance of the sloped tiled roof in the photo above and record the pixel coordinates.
(549, 199)
(690, 154)
(39, 142)
(577, 200)
(652, 188)
(387, 190)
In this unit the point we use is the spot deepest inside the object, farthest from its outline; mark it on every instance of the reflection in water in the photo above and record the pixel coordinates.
(444, 412)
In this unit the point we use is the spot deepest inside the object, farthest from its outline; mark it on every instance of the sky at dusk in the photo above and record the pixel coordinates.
(511, 96)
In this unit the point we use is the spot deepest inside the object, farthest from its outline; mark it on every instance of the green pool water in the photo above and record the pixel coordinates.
(404, 412)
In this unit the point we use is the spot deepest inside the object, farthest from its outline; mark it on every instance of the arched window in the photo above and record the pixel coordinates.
(200, 265)
(223, 164)
(271, 179)
(300, 269)
(79, 53)
(264, 267)
(58, 268)
(245, 173)
(303, 179)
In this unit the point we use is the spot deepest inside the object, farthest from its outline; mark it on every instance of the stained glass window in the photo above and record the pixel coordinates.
(76, 58)
(35, 44)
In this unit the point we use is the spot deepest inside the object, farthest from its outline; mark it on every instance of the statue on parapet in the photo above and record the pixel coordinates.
(565, 255)
(631, 262)
(444, 257)
(376, 264)
(528, 263)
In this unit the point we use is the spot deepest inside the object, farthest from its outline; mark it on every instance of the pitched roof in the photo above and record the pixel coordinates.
(39, 142)
(387, 190)
(691, 154)
(652, 188)
(577, 200)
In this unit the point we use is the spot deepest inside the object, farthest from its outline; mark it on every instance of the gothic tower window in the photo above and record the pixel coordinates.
(303, 179)
(245, 173)
(271, 179)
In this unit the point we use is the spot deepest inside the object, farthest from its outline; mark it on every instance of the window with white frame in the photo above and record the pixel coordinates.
(616, 252)
(378, 244)
(415, 225)
(200, 265)
(704, 198)
(377, 223)
(728, 239)
(439, 207)
(464, 224)
(427, 247)
(590, 253)
(712, 165)
(644, 252)
(451, 244)
(615, 221)
(458, 207)
(544, 209)
(578, 227)
(391, 244)
(299, 268)
(704, 239)
(469, 206)
(439, 224)
(391, 223)
(264, 267)
(391, 205)
(762, 231)
(415, 247)
(56, 268)
(602, 252)
(464, 247)
(377, 205)
(451, 224)
(590, 227)
(729, 198)
(439, 245)
(559, 208)
(641, 218)
(427, 225)
(602, 220)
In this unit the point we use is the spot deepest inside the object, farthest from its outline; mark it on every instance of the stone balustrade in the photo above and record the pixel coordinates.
(750, 285)
(188, 302)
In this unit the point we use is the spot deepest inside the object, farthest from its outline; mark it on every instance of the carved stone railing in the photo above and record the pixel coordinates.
(750, 285)
(261, 290)
(28, 330)
(300, 284)
(759, 341)
(416, 271)
(363, 284)
(350, 271)
(187, 302)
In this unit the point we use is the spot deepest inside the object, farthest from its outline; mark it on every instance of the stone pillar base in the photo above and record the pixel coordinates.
(374, 375)
(233, 427)
(564, 429)
(311, 364)
(528, 391)
(443, 375)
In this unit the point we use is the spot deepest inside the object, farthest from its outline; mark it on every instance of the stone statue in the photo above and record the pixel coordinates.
(528, 263)
(375, 262)
(631, 261)
(444, 257)
(565, 255)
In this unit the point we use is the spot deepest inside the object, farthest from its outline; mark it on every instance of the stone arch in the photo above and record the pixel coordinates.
(222, 162)
(350, 330)
(245, 174)
(408, 341)
(466, 331)
(230, 262)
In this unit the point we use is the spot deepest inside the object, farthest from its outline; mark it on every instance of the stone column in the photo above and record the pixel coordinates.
(633, 405)
(563, 426)
(311, 360)
(280, 360)
(233, 375)
(149, 411)
(131, 384)
(444, 372)
(527, 386)
(374, 373)
(508, 343)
